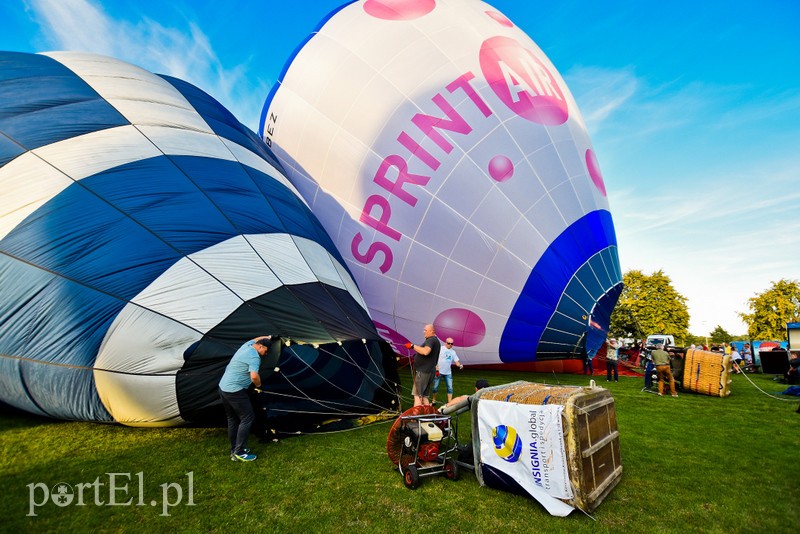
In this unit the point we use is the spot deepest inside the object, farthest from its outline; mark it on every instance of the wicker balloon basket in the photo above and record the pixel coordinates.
(591, 436)
(707, 372)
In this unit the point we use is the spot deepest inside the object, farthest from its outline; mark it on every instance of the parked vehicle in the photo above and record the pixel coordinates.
(655, 339)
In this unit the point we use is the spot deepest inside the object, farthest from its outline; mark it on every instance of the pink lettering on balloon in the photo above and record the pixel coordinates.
(403, 176)
(465, 327)
(594, 171)
(463, 83)
(499, 17)
(393, 172)
(381, 223)
(522, 82)
(456, 122)
(372, 251)
(501, 168)
(430, 124)
(417, 150)
(398, 9)
(394, 338)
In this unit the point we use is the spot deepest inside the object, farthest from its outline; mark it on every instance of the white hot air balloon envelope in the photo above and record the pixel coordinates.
(448, 161)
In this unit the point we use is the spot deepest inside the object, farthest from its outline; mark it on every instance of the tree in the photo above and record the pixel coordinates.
(772, 309)
(719, 335)
(692, 339)
(648, 305)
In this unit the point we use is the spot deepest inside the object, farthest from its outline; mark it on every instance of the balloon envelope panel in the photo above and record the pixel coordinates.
(145, 234)
(448, 160)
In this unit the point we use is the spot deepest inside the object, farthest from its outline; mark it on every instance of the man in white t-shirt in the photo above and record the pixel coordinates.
(447, 357)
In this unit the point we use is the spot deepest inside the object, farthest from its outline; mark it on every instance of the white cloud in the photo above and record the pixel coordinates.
(601, 92)
(722, 223)
(721, 245)
(67, 23)
(760, 110)
(184, 52)
(623, 106)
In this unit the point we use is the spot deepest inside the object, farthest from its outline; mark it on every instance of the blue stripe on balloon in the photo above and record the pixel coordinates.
(602, 315)
(9, 149)
(58, 325)
(42, 102)
(221, 121)
(118, 230)
(555, 276)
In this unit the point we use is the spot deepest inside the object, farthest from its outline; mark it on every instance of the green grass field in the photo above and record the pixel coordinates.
(691, 464)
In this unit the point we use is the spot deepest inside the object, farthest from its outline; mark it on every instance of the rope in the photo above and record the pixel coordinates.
(764, 392)
(325, 404)
(322, 432)
(307, 398)
(366, 372)
(326, 380)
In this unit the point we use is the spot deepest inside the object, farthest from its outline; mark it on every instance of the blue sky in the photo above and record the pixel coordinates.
(693, 108)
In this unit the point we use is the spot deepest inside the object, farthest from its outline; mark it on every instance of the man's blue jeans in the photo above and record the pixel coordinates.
(448, 380)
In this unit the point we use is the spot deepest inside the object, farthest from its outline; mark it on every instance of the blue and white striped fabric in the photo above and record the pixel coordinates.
(138, 219)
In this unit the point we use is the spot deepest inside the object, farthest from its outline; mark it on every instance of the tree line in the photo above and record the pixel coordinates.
(649, 304)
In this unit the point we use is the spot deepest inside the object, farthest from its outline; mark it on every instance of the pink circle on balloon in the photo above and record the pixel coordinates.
(398, 9)
(522, 82)
(501, 168)
(499, 17)
(594, 171)
(465, 327)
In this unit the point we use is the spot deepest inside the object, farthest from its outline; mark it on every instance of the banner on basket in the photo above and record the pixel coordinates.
(526, 442)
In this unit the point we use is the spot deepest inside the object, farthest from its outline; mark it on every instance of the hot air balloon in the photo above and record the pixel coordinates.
(144, 235)
(448, 161)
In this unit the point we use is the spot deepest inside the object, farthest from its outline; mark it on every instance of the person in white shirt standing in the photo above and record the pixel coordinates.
(447, 356)
(612, 360)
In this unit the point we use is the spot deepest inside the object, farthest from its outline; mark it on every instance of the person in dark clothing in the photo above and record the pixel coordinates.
(425, 358)
(587, 361)
(793, 374)
(677, 361)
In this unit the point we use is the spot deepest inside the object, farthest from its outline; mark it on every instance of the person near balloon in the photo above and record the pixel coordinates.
(425, 358)
(447, 357)
(747, 354)
(479, 385)
(587, 361)
(736, 358)
(612, 360)
(677, 365)
(242, 371)
(792, 376)
(661, 361)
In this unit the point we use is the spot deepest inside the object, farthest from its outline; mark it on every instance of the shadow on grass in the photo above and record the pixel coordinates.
(11, 417)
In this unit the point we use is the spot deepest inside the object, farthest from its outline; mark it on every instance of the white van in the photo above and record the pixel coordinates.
(655, 339)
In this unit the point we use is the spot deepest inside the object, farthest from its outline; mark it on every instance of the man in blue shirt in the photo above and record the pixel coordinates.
(242, 371)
